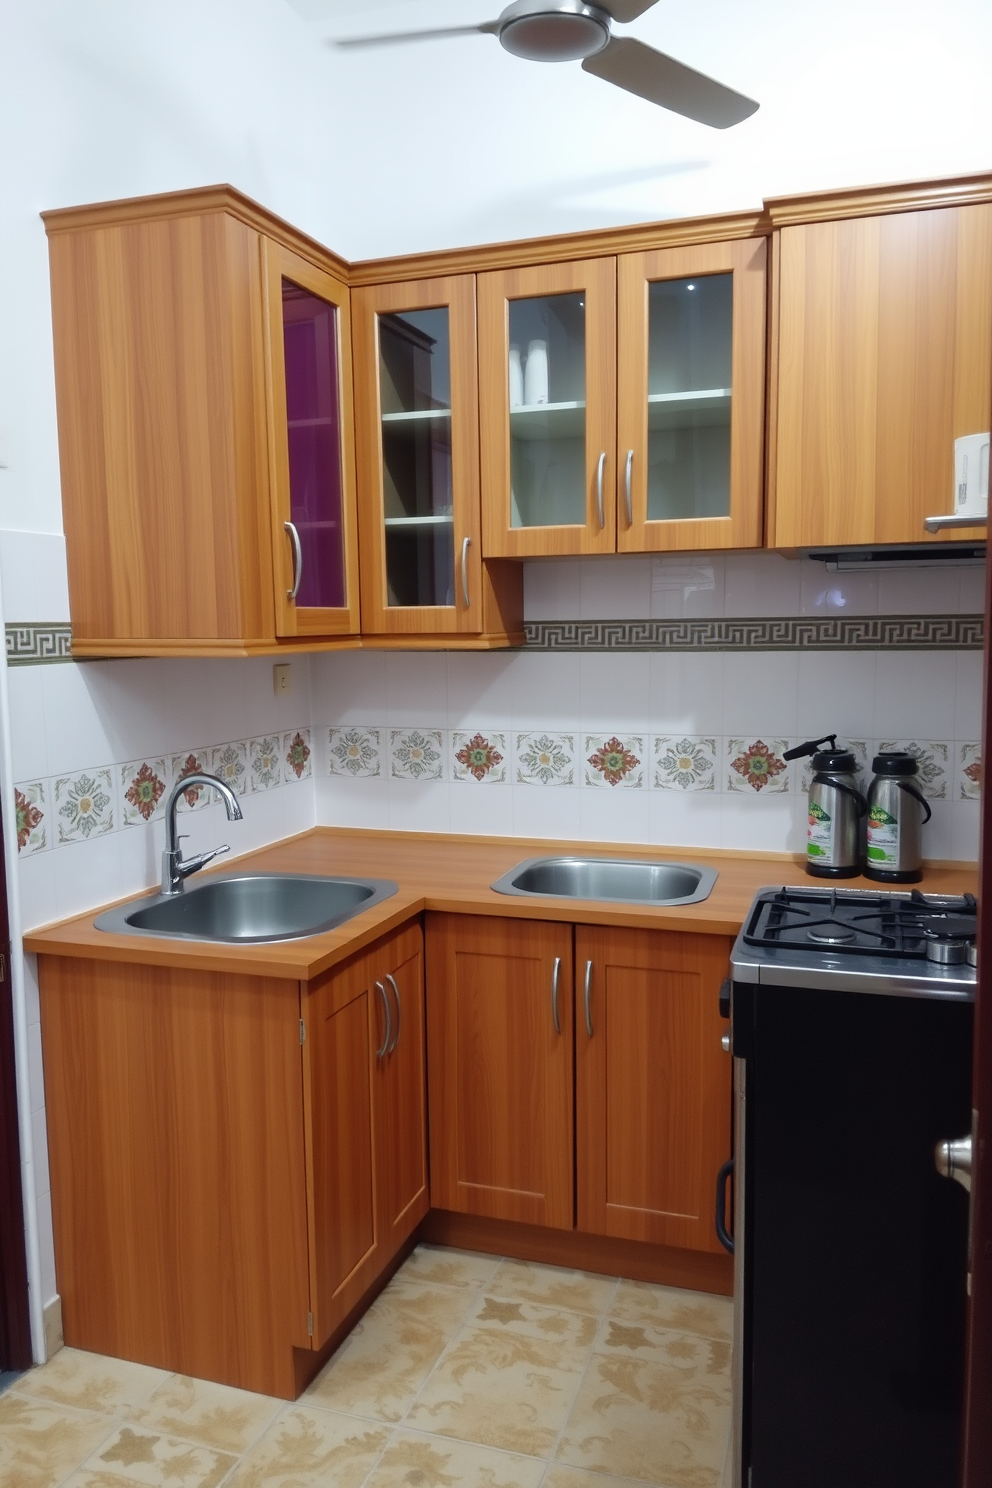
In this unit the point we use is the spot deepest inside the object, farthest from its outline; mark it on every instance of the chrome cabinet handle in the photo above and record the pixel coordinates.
(934, 524)
(294, 538)
(588, 998)
(626, 488)
(600, 467)
(555, 977)
(381, 1053)
(396, 993)
(465, 546)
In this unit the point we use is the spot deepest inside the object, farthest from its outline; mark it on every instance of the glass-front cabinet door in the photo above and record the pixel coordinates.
(690, 388)
(547, 357)
(311, 459)
(416, 403)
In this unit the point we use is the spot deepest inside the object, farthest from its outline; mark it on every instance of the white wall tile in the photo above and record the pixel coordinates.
(416, 685)
(350, 687)
(828, 592)
(51, 578)
(614, 692)
(481, 810)
(19, 579)
(761, 583)
(482, 690)
(967, 824)
(46, 1247)
(614, 588)
(754, 823)
(419, 805)
(614, 815)
(919, 591)
(971, 594)
(915, 695)
(28, 734)
(938, 833)
(78, 730)
(546, 689)
(692, 820)
(39, 1153)
(36, 1071)
(87, 874)
(550, 588)
(544, 811)
(36, 887)
(967, 695)
(760, 693)
(352, 803)
(836, 694)
(687, 585)
(686, 693)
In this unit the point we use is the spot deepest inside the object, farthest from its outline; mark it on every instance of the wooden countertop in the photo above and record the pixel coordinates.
(451, 873)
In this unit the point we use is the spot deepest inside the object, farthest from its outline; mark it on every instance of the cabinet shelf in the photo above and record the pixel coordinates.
(444, 520)
(548, 421)
(415, 415)
(697, 409)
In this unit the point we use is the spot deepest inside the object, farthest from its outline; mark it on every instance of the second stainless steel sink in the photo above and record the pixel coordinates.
(244, 908)
(609, 880)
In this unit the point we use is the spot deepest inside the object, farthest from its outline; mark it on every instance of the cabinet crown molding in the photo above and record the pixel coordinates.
(870, 201)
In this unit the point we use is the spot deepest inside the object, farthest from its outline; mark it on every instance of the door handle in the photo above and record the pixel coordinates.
(626, 488)
(384, 1050)
(600, 468)
(396, 993)
(465, 545)
(588, 998)
(294, 538)
(555, 979)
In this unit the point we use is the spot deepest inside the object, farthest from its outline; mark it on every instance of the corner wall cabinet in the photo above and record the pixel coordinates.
(417, 425)
(203, 379)
(881, 358)
(646, 1126)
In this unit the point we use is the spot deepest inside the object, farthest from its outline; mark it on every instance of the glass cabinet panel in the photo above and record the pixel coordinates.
(690, 324)
(310, 346)
(418, 509)
(547, 392)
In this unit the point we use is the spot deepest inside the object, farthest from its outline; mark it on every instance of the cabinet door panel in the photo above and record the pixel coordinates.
(341, 1181)
(690, 400)
(501, 1075)
(653, 1085)
(311, 459)
(400, 1091)
(884, 358)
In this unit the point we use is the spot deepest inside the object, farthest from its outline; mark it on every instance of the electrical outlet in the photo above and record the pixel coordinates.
(282, 679)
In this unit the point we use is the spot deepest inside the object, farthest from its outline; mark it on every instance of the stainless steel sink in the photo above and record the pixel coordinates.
(247, 907)
(609, 880)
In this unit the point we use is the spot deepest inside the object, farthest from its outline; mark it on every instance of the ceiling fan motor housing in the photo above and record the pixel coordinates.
(546, 32)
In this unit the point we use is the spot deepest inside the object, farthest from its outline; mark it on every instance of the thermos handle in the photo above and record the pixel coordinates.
(847, 789)
(912, 791)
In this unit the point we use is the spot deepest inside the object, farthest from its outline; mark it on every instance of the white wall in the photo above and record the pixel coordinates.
(389, 153)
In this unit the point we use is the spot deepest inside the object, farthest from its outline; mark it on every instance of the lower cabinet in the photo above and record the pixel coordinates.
(365, 1106)
(645, 1126)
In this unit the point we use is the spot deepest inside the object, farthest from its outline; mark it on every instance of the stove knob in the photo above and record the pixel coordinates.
(973, 953)
(946, 952)
(954, 1160)
(725, 1043)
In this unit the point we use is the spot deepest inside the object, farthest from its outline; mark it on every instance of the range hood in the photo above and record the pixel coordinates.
(906, 555)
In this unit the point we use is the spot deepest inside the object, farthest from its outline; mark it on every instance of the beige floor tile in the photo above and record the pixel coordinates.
(560, 1476)
(40, 1443)
(437, 1462)
(111, 1387)
(669, 1307)
(459, 1268)
(214, 1415)
(509, 1378)
(382, 1364)
(159, 1461)
(307, 1448)
(553, 1286)
(663, 1422)
(646, 1341)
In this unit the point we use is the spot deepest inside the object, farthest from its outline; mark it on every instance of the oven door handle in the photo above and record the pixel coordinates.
(725, 1239)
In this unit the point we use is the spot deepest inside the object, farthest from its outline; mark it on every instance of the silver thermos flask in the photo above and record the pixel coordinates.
(897, 814)
(836, 810)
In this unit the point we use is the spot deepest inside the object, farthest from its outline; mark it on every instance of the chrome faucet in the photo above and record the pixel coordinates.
(176, 869)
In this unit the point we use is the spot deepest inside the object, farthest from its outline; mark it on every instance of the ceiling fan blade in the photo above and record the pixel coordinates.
(488, 28)
(625, 10)
(670, 84)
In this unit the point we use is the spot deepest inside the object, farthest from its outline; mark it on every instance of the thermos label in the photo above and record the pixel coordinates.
(883, 838)
(820, 835)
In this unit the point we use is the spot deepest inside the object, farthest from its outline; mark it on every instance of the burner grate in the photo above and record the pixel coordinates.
(858, 921)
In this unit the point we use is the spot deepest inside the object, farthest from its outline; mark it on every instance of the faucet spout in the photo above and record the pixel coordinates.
(175, 870)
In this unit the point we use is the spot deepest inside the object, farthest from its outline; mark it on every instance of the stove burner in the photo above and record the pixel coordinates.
(830, 934)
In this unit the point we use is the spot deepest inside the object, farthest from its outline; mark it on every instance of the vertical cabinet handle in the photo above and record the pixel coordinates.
(396, 993)
(588, 998)
(628, 468)
(294, 538)
(465, 546)
(600, 468)
(555, 978)
(384, 1050)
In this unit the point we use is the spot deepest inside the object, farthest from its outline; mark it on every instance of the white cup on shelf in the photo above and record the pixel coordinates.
(516, 378)
(536, 373)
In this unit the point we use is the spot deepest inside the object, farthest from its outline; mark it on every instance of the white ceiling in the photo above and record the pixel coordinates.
(455, 141)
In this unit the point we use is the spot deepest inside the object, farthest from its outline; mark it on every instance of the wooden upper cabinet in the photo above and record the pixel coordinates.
(883, 330)
(311, 459)
(547, 358)
(690, 404)
(170, 385)
(499, 1044)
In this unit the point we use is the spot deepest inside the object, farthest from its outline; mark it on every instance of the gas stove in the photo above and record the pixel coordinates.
(900, 943)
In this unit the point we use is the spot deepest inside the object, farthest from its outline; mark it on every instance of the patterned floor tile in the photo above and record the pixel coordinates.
(560, 1476)
(111, 1387)
(383, 1363)
(307, 1448)
(553, 1286)
(670, 1307)
(158, 1461)
(438, 1462)
(40, 1444)
(214, 1415)
(458, 1268)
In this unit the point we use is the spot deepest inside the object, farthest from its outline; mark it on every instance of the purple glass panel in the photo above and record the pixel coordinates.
(313, 417)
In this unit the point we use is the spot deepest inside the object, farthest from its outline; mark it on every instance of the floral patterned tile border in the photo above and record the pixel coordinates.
(681, 763)
(86, 804)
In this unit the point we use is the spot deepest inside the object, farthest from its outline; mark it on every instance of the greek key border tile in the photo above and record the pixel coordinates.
(777, 633)
(33, 645)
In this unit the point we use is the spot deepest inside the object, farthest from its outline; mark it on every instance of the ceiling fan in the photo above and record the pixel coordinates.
(567, 30)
